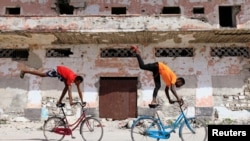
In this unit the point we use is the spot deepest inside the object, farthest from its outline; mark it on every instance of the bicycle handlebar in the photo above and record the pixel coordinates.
(76, 103)
(81, 104)
(180, 105)
(178, 102)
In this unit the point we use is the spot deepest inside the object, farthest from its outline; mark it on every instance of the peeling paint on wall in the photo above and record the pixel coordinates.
(91, 26)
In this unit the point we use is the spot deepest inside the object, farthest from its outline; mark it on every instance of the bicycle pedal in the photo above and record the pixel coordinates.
(73, 137)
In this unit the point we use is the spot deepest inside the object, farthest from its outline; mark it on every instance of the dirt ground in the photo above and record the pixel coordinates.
(32, 131)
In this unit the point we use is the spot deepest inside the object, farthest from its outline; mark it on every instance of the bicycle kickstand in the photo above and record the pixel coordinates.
(73, 137)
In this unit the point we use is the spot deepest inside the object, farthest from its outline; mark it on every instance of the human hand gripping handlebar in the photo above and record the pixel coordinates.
(75, 103)
(83, 104)
(181, 102)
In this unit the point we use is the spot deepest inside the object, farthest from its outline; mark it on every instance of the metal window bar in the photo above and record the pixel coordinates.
(230, 52)
(118, 52)
(174, 52)
(58, 52)
(15, 54)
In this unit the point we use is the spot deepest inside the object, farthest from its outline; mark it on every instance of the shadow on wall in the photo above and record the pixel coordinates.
(236, 81)
(13, 97)
(34, 61)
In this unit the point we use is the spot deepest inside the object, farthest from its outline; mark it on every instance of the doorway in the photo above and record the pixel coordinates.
(118, 97)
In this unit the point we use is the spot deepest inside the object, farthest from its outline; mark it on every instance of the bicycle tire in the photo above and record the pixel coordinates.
(91, 129)
(48, 127)
(138, 129)
(198, 126)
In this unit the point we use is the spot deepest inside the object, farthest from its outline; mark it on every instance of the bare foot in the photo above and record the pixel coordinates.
(22, 74)
(135, 49)
(153, 105)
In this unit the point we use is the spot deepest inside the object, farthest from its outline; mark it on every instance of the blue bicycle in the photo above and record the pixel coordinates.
(147, 128)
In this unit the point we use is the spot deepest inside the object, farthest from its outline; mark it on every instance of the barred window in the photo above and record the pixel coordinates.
(15, 54)
(58, 52)
(174, 52)
(230, 52)
(116, 52)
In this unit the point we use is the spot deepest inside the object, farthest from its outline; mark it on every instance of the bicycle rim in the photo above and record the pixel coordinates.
(91, 129)
(198, 126)
(140, 127)
(49, 126)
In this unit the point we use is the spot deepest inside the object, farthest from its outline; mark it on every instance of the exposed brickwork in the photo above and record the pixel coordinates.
(240, 101)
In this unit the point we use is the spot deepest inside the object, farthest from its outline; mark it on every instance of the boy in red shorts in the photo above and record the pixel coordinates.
(63, 74)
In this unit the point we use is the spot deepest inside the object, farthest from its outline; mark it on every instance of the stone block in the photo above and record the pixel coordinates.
(92, 111)
(33, 114)
(146, 111)
(204, 111)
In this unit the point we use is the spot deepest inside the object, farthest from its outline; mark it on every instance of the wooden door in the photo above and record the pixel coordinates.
(118, 97)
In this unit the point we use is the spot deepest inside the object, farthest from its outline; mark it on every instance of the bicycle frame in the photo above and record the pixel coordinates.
(69, 127)
(163, 134)
(58, 126)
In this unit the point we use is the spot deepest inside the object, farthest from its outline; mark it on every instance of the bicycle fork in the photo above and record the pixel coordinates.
(89, 126)
(188, 124)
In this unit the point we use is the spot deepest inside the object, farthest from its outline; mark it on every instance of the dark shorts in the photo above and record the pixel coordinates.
(54, 73)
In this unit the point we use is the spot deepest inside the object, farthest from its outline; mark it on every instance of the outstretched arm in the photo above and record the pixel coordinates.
(70, 95)
(80, 92)
(172, 88)
(167, 94)
(63, 93)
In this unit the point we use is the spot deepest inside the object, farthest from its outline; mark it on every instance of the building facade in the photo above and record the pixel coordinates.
(205, 41)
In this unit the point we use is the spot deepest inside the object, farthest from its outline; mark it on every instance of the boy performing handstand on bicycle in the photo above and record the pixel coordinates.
(160, 69)
(63, 74)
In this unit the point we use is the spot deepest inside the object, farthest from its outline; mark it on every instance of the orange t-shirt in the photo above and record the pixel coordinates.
(67, 74)
(168, 76)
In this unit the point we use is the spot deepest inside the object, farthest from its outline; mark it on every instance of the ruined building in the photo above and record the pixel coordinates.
(205, 41)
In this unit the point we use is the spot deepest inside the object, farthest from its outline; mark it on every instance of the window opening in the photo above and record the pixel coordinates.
(65, 7)
(58, 52)
(171, 10)
(118, 10)
(118, 52)
(13, 11)
(174, 52)
(227, 15)
(15, 54)
(198, 10)
(230, 52)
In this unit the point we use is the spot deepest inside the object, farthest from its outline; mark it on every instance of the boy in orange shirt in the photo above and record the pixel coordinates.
(169, 77)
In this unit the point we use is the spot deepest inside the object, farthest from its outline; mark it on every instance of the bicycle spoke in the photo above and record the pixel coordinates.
(91, 129)
(139, 131)
(197, 132)
(50, 125)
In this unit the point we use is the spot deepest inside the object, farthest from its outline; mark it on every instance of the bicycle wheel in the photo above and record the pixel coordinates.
(198, 126)
(91, 129)
(48, 128)
(141, 126)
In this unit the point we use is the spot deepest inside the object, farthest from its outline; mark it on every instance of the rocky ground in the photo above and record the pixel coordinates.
(14, 126)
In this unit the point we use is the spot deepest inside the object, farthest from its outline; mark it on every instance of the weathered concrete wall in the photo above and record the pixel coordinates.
(29, 7)
(209, 79)
(133, 7)
(205, 76)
